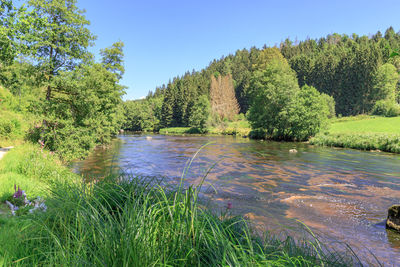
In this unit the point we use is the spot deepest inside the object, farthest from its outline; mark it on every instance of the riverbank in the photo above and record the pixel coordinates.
(362, 132)
(236, 128)
(122, 221)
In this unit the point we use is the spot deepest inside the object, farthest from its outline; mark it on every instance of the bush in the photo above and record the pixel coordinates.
(10, 129)
(306, 115)
(330, 102)
(386, 108)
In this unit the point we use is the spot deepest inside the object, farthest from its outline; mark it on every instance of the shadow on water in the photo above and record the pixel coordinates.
(342, 194)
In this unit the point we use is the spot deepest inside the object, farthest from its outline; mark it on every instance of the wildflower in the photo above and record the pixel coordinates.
(18, 193)
(229, 206)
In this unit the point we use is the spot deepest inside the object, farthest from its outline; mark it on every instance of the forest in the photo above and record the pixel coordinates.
(352, 75)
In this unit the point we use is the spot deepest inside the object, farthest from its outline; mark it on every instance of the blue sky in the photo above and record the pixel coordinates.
(164, 39)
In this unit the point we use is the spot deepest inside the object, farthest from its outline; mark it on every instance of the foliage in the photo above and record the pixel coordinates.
(8, 49)
(10, 128)
(271, 90)
(343, 66)
(143, 115)
(200, 113)
(330, 103)
(81, 106)
(113, 59)
(385, 82)
(305, 115)
(387, 108)
(55, 36)
(84, 111)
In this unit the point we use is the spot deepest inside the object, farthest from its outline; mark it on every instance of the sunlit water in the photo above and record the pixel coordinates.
(341, 194)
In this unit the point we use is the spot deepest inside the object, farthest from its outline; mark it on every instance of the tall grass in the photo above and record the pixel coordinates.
(132, 221)
(33, 170)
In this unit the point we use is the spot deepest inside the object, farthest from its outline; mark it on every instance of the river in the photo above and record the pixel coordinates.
(341, 194)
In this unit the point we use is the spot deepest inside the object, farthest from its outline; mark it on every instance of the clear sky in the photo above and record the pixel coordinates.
(165, 38)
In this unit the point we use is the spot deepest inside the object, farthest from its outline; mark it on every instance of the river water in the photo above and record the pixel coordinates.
(340, 194)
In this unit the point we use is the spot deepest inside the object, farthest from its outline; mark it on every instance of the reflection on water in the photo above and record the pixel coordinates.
(343, 194)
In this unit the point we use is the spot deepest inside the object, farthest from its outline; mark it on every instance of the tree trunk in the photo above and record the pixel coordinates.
(48, 93)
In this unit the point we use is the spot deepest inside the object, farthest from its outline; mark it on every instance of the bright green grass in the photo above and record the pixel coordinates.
(239, 128)
(362, 132)
(366, 125)
(32, 170)
(175, 130)
(130, 221)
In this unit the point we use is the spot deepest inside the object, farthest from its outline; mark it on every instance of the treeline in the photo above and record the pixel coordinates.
(355, 74)
(73, 102)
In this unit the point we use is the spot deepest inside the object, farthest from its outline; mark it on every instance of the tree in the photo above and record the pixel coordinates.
(305, 115)
(167, 109)
(56, 36)
(384, 83)
(7, 32)
(266, 56)
(223, 98)
(142, 115)
(330, 103)
(84, 111)
(200, 114)
(112, 59)
(271, 90)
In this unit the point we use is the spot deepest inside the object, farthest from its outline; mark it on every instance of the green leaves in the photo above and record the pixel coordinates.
(280, 110)
(112, 59)
(55, 34)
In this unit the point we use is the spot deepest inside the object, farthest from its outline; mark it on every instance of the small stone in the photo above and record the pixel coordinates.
(293, 150)
(393, 220)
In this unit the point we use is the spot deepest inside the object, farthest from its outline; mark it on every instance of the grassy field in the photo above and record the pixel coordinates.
(366, 124)
(362, 132)
(130, 221)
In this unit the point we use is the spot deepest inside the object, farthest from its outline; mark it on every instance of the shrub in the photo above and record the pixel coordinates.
(386, 108)
(330, 102)
(10, 128)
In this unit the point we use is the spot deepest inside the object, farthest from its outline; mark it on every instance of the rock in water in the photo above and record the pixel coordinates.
(393, 220)
(293, 150)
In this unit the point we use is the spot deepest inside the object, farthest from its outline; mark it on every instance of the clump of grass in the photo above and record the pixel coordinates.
(371, 141)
